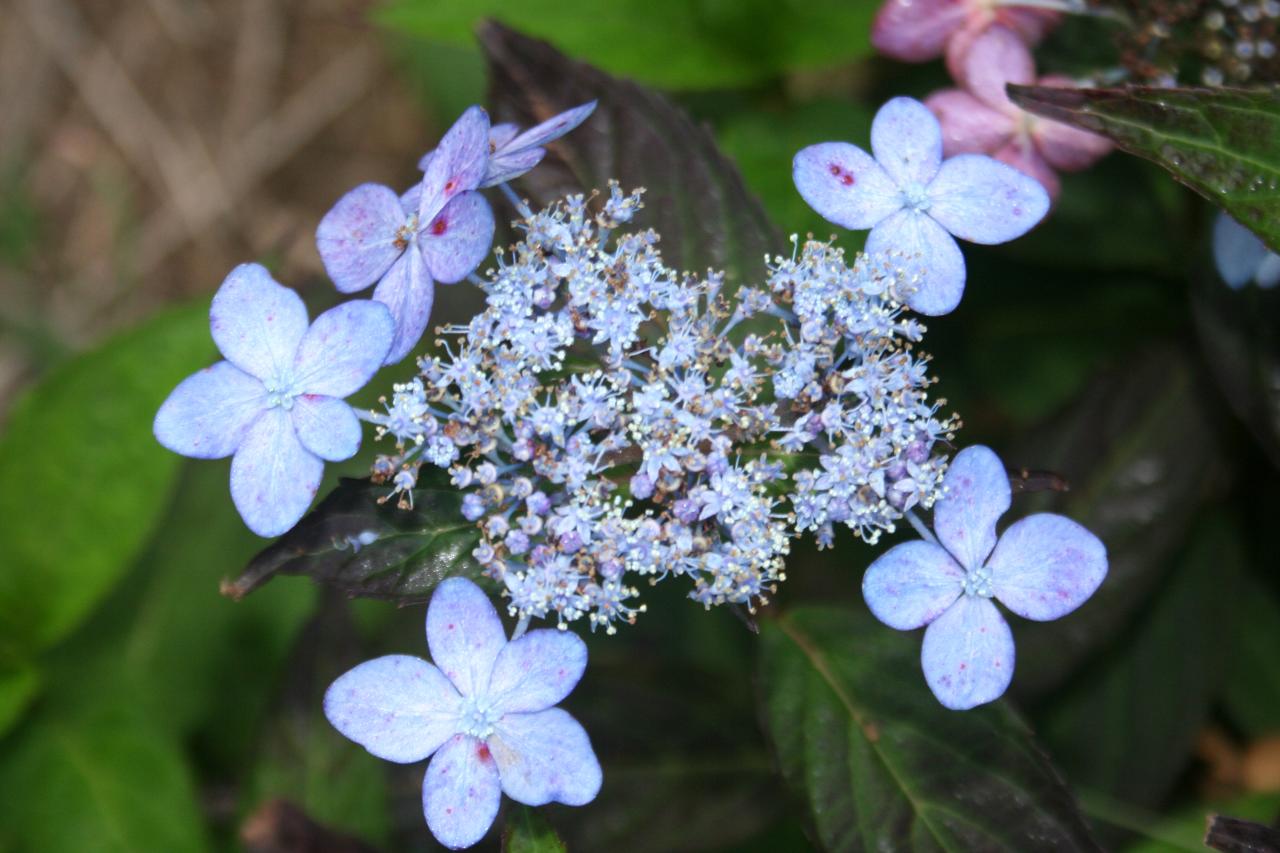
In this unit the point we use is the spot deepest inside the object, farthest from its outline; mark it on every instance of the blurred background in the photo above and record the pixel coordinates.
(148, 146)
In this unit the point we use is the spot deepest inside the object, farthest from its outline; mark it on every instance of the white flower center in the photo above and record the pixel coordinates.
(916, 197)
(977, 583)
(478, 717)
(280, 393)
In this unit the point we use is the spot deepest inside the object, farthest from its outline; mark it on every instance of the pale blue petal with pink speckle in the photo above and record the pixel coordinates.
(906, 140)
(968, 654)
(537, 671)
(975, 494)
(464, 634)
(256, 322)
(408, 291)
(984, 201)
(207, 415)
(845, 185)
(361, 236)
(326, 426)
(546, 757)
(911, 584)
(458, 165)
(273, 477)
(929, 256)
(398, 707)
(343, 348)
(1045, 566)
(458, 239)
(461, 792)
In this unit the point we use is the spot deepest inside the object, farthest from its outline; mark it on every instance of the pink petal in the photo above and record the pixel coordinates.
(360, 237)
(1046, 565)
(907, 141)
(273, 477)
(398, 707)
(845, 185)
(975, 494)
(461, 792)
(458, 164)
(343, 348)
(458, 239)
(257, 323)
(326, 426)
(408, 291)
(968, 654)
(997, 56)
(912, 584)
(916, 30)
(207, 415)
(982, 200)
(546, 757)
(464, 635)
(537, 671)
(968, 125)
(928, 255)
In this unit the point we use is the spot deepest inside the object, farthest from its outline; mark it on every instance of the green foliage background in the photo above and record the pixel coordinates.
(140, 710)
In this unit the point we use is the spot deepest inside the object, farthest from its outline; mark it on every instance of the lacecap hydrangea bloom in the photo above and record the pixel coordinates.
(276, 402)
(1042, 567)
(483, 712)
(914, 202)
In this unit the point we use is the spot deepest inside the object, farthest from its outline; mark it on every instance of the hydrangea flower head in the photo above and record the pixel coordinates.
(1241, 257)
(920, 30)
(276, 402)
(981, 119)
(1042, 567)
(913, 201)
(438, 231)
(483, 712)
(512, 153)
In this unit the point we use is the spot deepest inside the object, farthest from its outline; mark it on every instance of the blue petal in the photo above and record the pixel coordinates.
(1045, 566)
(257, 323)
(907, 141)
(1268, 271)
(455, 242)
(344, 348)
(326, 426)
(975, 494)
(537, 671)
(207, 415)
(408, 291)
(359, 238)
(461, 792)
(551, 129)
(458, 164)
(928, 256)
(464, 634)
(505, 167)
(985, 201)
(398, 707)
(912, 584)
(1237, 251)
(968, 654)
(845, 185)
(546, 757)
(273, 477)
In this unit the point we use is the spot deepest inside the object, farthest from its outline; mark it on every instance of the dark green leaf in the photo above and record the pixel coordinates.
(682, 44)
(85, 481)
(1219, 142)
(102, 778)
(1142, 457)
(1252, 684)
(18, 686)
(527, 831)
(880, 765)
(1127, 725)
(695, 197)
(406, 552)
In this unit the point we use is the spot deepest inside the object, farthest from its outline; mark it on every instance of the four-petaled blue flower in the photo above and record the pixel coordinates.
(913, 202)
(1043, 567)
(277, 400)
(484, 710)
(512, 153)
(440, 230)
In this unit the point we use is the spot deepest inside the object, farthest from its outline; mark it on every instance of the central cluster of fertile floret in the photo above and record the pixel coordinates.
(611, 419)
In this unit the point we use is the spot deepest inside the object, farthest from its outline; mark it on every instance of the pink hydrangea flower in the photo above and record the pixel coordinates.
(920, 30)
(981, 119)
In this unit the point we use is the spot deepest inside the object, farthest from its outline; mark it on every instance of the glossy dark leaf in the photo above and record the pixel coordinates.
(695, 198)
(357, 543)
(1127, 725)
(527, 831)
(1141, 455)
(1233, 835)
(880, 765)
(1219, 142)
